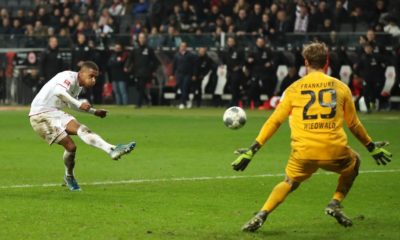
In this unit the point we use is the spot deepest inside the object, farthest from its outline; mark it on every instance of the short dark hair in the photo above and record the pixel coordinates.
(316, 53)
(90, 65)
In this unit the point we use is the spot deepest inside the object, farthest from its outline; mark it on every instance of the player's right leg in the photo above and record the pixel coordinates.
(69, 162)
(91, 138)
(276, 197)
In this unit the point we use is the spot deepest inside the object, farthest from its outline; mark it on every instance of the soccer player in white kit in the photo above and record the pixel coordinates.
(56, 126)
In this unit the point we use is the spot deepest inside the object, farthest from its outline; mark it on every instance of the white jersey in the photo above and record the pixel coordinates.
(48, 98)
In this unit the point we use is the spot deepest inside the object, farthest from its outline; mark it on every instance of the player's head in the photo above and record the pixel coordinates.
(315, 55)
(87, 74)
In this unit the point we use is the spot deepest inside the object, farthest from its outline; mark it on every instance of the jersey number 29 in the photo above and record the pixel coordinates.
(322, 103)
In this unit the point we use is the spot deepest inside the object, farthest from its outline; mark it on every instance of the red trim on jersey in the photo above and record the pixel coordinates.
(67, 82)
(62, 86)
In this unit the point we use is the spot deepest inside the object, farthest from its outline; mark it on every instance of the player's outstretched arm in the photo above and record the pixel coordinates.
(245, 156)
(381, 155)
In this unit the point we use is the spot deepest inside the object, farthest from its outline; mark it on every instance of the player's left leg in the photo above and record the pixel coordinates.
(348, 172)
(69, 162)
(297, 171)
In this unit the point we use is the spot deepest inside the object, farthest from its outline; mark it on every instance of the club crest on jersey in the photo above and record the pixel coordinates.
(66, 82)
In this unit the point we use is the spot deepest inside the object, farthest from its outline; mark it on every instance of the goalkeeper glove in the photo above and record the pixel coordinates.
(381, 155)
(245, 156)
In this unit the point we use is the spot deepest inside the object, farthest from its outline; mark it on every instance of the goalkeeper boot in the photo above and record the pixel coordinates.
(334, 209)
(122, 149)
(256, 222)
(71, 183)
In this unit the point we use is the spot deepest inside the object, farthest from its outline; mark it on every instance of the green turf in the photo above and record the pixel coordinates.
(174, 144)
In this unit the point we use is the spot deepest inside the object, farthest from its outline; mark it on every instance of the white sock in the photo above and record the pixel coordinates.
(69, 162)
(93, 139)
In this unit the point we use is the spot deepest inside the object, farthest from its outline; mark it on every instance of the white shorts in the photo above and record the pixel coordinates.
(51, 125)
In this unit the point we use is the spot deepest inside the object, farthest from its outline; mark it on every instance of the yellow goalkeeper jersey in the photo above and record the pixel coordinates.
(317, 105)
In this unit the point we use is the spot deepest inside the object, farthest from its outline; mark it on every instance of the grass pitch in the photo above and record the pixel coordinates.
(178, 182)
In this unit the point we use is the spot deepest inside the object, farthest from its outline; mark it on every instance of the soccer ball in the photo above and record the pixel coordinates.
(234, 117)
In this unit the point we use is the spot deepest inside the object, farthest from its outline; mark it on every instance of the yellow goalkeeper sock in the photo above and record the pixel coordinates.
(277, 196)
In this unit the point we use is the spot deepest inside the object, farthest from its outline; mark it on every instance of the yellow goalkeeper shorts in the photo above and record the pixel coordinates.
(299, 170)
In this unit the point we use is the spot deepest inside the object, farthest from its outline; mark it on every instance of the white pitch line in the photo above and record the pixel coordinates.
(182, 179)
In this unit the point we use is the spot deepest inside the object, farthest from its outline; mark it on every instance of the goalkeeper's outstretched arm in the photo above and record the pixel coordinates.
(381, 155)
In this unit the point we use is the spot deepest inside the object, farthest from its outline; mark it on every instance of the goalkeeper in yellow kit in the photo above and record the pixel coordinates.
(317, 105)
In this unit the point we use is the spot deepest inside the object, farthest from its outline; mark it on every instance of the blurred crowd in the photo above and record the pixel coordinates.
(87, 30)
(98, 19)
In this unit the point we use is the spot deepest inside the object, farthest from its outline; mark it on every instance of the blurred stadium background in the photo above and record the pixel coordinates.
(345, 25)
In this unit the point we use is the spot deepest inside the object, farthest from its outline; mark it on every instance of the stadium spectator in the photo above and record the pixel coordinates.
(99, 57)
(142, 7)
(56, 126)
(172, 38)
(90, 17)
(301, 19)
(80, 52)
(119, 78)
(323, 12)
(241, 5)
(265, 26)
(234, 59)
(255, 18)
(226, 7)
(262, 72)
(39, 30)
(51, 61)
(371, 68)
(358, 16)
(392, 28)
(289, 79)
(339, 14)
(55, 19)
(228, 23)
(281, 27)
(156, 13)
(380, 12)
(42, 16)
(242, 24)
(184, 73)
(339, 58)
(203, 66)
(188, 18)
(30, 75)
(17, 28)
(64, 38)
(142, 63)
(5, 27)
(21, 16)
(212, 17)
(2, 86)
(318, 138)
(116, 9)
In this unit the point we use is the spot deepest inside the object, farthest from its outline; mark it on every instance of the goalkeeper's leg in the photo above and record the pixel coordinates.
(276, 197)
(346, 179)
